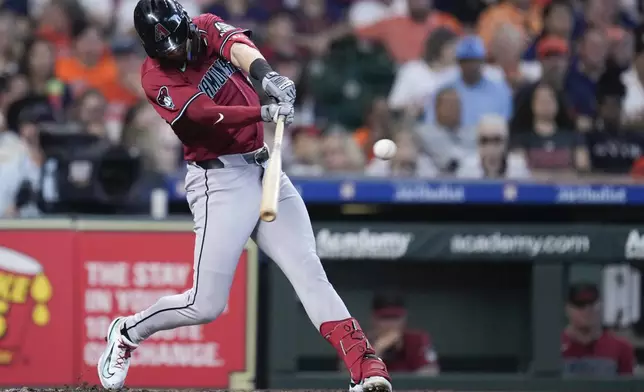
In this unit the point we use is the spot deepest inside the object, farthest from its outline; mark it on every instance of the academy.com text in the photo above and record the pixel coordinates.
(529, 245)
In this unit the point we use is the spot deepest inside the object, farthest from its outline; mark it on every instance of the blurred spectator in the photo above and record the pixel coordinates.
(493, 159)
(280, 37)
(100, 13)
(633, 113)
(58, 21)
(553, 54)
(416, 80)
(466, 11)
(446, 142)
(613, 149)
(34, 108)
(313, 17)
(246, 14)
(553, 57)
(317, 25)
(340, 153)
(305, 144)
(408, 161)
(128, 57)
(558, 21)
(90, 113)
(90, 65)
(404, 36)
(605, 15)
(401, 348)
(16, 89)
(10, 45)
(344, 82)
(525, 15)
(587, 349)
(38, 66)
(127, 91)
(157, 144)
(19, 7)
(505, 50)
(479, 93)
(551, 153)
(20, 162)
(367, 12)
(138, 120)
(621, 51)
(583, 75)
(378, 125)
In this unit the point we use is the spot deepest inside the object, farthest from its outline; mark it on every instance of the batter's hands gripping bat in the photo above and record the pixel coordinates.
(272, 174)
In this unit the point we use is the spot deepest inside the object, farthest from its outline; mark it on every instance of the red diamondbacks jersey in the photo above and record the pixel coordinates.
(172, 90)
(607, 356)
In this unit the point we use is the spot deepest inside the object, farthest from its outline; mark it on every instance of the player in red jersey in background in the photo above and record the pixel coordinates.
(403, 349)
(587, 348)
(195, 76)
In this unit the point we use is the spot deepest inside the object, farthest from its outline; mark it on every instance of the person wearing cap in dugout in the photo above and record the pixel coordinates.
(586, 347)
(402, 349)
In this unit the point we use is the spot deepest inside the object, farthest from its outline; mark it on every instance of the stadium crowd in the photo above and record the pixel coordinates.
(545, 89)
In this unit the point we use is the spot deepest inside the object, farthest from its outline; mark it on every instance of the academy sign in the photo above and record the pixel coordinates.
(362, 244)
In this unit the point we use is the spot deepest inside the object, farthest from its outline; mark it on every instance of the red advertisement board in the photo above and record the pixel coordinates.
(36, 307)
(123, 273)
(60, 289)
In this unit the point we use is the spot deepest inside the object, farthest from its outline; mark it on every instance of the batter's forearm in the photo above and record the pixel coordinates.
(242, 56)
(203, 111)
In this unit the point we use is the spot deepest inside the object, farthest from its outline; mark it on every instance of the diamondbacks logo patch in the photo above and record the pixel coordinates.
(164, 99)
(160, 32)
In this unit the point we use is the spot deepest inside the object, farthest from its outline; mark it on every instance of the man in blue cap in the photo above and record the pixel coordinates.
(480, 95)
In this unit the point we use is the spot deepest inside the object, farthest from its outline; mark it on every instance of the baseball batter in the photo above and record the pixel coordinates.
(195, 76)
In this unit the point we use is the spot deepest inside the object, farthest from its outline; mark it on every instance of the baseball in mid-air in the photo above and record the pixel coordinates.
(384, 149)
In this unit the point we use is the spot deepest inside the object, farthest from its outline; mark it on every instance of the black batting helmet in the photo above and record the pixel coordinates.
(164, 27)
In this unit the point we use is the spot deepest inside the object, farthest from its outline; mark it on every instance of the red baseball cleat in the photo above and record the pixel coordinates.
(368, 372)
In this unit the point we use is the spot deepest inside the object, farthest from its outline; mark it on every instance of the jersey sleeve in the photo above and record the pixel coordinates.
(221, 36)
(169, 93)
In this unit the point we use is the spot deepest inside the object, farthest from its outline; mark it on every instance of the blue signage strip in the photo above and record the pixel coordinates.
(396, 191)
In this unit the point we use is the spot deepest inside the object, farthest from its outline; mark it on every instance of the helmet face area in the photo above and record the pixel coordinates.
(163, 27)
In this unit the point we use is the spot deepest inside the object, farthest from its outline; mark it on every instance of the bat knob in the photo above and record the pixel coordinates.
(268, 216)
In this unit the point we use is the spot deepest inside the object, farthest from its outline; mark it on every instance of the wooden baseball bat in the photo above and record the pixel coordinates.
(272, 174)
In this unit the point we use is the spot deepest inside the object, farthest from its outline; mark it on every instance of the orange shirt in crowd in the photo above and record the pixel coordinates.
(405, 38)
(529, 22)
(362, 136)
(102, 76)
